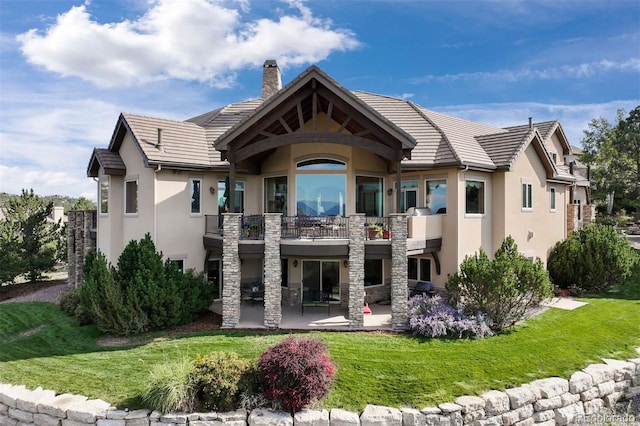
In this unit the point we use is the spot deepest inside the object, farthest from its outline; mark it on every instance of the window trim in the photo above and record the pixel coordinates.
(526, 192)
(484, 197)
(191, 212)
(403, 192)
(103, 179)
(382, 191)
(126, 182)
(180, 258)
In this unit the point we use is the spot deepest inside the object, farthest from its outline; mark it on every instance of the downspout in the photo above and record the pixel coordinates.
(155, 205)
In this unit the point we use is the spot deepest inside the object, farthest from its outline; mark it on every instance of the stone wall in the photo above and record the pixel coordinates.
(583, 398)
(81, 241)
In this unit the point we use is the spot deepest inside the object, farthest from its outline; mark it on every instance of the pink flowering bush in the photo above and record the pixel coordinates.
(296, 371)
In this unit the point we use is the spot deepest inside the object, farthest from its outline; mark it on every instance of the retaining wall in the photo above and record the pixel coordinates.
(583, 398)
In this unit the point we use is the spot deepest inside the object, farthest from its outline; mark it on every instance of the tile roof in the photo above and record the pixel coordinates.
(110, 162)
(504, 147)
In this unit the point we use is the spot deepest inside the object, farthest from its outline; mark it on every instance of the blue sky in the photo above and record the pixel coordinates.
(68, 68)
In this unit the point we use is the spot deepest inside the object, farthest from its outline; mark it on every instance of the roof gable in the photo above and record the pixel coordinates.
(292, 116)
(110, 162)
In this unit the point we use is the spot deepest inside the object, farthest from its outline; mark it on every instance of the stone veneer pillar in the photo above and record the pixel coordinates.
(80, 242)
(356, 271)
(399, 289)
(231, 271)
(272, 270)
(572, 218)
(588, 214)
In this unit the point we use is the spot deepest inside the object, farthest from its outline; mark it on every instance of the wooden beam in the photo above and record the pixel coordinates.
(329, 112)
(343, 125)
(314, 111)
(284, 124)
(300, 116)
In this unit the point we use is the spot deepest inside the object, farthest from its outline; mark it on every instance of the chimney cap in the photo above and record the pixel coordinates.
(270, 63)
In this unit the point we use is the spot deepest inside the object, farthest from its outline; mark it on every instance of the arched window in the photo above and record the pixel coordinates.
(321, 187)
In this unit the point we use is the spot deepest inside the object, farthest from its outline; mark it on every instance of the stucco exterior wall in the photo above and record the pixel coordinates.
(474, 230)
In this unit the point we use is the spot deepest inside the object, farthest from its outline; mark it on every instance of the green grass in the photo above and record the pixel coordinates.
(39, 346)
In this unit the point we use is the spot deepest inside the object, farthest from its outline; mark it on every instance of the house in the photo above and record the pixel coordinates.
(316, 190)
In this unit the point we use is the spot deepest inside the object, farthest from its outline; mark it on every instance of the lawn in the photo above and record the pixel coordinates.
(42, 347)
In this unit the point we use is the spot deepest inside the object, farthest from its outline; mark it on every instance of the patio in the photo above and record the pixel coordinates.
(251, 317)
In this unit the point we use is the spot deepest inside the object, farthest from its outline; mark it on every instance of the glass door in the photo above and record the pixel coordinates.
(214, 276)
(321, 277)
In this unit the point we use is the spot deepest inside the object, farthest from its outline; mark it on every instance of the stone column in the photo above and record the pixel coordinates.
(272, 270)
(399, 289)
(572, 218)
(80, 242)
(356, 271)
(231, 271)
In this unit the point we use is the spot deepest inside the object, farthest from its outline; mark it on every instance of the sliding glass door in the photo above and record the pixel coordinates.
(321, 276)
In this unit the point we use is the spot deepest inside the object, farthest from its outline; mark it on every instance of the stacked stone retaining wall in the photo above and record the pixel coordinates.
(581, 399)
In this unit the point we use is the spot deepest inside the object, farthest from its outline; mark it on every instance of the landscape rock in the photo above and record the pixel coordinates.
(58, 406)
(549, 404)
(262, 417)
(311, 418)
(593, 407)
(553, 386)
(88, 411)
(496, 402)
(341, 417)
(378, 415)
(606, 388)
(623, 369)
(523, 395)
(449, 407)
(600, 373)
(470, 403)
(590, 394)
(28, 401)
(580, 382)
(566, 415)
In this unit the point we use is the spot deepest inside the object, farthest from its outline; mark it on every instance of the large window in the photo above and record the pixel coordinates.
(131, 197)
(474, 197)
(419, 269)
(104, 195)
(321, 187)
(196, 196)
(275, 195)
(369, 192)
(527, 196)
(372, 272)
(436, 195)
(409, 196)
(223, 195)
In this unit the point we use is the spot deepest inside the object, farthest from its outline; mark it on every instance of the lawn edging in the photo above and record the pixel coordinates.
(552, 401)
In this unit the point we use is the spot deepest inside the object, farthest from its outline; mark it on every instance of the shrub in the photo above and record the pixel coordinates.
(504, 288)
(142, 292)
(295, 371)
(593, 258)
(431, 317)
(70, 305)
(170, 387)
(220, 378)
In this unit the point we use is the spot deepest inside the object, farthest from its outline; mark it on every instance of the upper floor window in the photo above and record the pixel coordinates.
(196, 195)
(223, 197)
(131, 196)
(104, 195)
(554, 157)
(275, 195)
(369, 195)
(409, 195)
(474, 197)
(321, 164)
(527, 196)
(552, 199)
(436, 195)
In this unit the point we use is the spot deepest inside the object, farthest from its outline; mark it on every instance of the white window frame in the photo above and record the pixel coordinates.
(191, 212)
(552, 199)
(526, 191)
(180, 258)
(126, 182)
(484, 197)
(403, 192)
(101, 181)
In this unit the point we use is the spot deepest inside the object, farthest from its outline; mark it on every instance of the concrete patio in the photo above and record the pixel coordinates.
(251, 317)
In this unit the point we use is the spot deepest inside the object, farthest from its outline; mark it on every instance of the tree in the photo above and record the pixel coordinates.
(29, 235)
(628, 143)
(83, 204)
(609, 150)
(504, 288)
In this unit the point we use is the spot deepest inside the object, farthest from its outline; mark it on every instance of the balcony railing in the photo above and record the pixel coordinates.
(330, 227)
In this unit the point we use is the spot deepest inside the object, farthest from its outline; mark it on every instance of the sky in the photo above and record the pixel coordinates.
(68, 68)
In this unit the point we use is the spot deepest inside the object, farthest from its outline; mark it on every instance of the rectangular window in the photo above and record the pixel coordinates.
(474, 198)
(409, 196)
(131, 197)
(527, 196)
(223, 197)
(412, 268)
(554, 157)
(552, 199)
(369, 191)
(104, 195)
(419, 269)
(425, 269)
(372, 272)
(436, 195)
(179, 264)
(196, 196)
(275, 195)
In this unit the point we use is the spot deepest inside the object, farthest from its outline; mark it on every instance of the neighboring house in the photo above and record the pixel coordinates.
(318, 174)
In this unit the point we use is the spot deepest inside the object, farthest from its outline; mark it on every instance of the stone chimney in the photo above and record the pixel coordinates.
(271, 80)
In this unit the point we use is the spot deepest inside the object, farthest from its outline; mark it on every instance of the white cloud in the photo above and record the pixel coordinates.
(573, 118)
(191, 39)
(584, 70)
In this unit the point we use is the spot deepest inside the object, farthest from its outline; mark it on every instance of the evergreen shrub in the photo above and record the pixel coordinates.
(592, 259)
(220, 377)
(296, 371)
